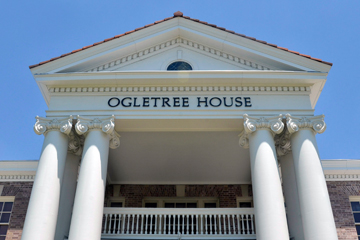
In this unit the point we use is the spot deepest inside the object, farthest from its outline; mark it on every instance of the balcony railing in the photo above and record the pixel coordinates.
(156, 223)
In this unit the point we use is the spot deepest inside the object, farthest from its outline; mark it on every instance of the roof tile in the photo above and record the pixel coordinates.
(180, 14)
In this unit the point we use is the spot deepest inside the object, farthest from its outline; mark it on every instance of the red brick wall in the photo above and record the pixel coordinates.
(339, 196)
(134, 194)
(21, 191)
(226, 193)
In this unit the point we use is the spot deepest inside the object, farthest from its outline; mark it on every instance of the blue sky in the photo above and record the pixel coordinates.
(34, 31)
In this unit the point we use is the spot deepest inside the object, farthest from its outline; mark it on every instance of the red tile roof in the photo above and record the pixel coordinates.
(180, 14)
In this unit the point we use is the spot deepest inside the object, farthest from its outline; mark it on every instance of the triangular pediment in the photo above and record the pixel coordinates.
(201, 45)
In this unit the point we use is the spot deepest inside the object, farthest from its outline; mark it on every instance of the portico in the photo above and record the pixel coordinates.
(180, 128)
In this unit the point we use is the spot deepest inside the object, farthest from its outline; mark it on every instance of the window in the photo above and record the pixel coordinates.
(179, 66)
(180, 202)
(6, 206)
(355, 207)
(115, 202)
(244, 202)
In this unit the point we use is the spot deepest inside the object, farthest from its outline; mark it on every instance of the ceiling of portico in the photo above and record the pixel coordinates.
(201, 157)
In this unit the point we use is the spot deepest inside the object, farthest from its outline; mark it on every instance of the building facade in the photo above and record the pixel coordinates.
(182, 95)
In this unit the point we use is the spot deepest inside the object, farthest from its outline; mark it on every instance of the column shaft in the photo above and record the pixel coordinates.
(68, 188)
(317, 216)
(87, 215)
(291, 197)
(41, 216)
(268, 198)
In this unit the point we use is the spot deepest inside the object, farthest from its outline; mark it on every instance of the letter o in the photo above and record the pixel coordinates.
(114, 98)
(213, 104)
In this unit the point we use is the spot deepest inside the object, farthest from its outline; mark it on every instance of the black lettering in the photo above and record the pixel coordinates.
(185, 102)
(135, 98)
(165, 100)
(146, 102)
(232, 102)
(122, 102)
(204, 101)
(213, 104)
(247, 101)
(176, 101)
(238, 102)
(155, 100)
(115, 100)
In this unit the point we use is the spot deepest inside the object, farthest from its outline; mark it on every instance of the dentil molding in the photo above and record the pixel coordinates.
(134, 89)
(106, 125)
(145, 53)
(251, 124)
(316, 124)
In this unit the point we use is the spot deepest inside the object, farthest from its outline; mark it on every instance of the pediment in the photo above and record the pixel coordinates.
(156, 46)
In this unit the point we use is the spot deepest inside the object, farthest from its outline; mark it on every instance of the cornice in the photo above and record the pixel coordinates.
(150, 51)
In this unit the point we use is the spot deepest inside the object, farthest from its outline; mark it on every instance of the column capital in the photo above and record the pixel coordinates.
(107, 125)
(44, 125)
(316, 123)
(251, 124)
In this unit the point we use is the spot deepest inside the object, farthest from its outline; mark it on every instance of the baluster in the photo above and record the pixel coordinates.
(229, 225)
(178, 227)
(252, 224)
(238, 224)
(151, 225)
(118, 229)
(192, 224)
(183, 225)
(156, 226)
(206, 231)
(247, 225)
(146, 225)
(131, 231)
(242, 224)
(128, 224)
(169, 224)
(197, 224)
(123, 223)
(114, 225)
(233, 221)
(224, 222)
(215, 226)
(201, 225)
(210, 229)
(137, 224)
(105, 223)
(142, 224)
(160, 225)
(173, 225)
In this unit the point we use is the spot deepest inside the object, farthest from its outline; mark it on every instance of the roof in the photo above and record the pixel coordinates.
(180, 14)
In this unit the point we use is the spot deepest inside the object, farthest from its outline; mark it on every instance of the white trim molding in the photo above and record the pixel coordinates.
(341, 170)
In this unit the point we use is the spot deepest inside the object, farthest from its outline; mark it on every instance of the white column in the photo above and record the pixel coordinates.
(41, 216)
(317, 216)
(89, 199)
(68, 187)
(269, 207)
(289, 185)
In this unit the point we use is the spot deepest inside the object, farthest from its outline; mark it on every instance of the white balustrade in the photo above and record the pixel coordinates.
(190, 222)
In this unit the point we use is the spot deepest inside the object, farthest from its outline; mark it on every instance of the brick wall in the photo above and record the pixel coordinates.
(21, 191)
(339, 196)
(134, 194)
